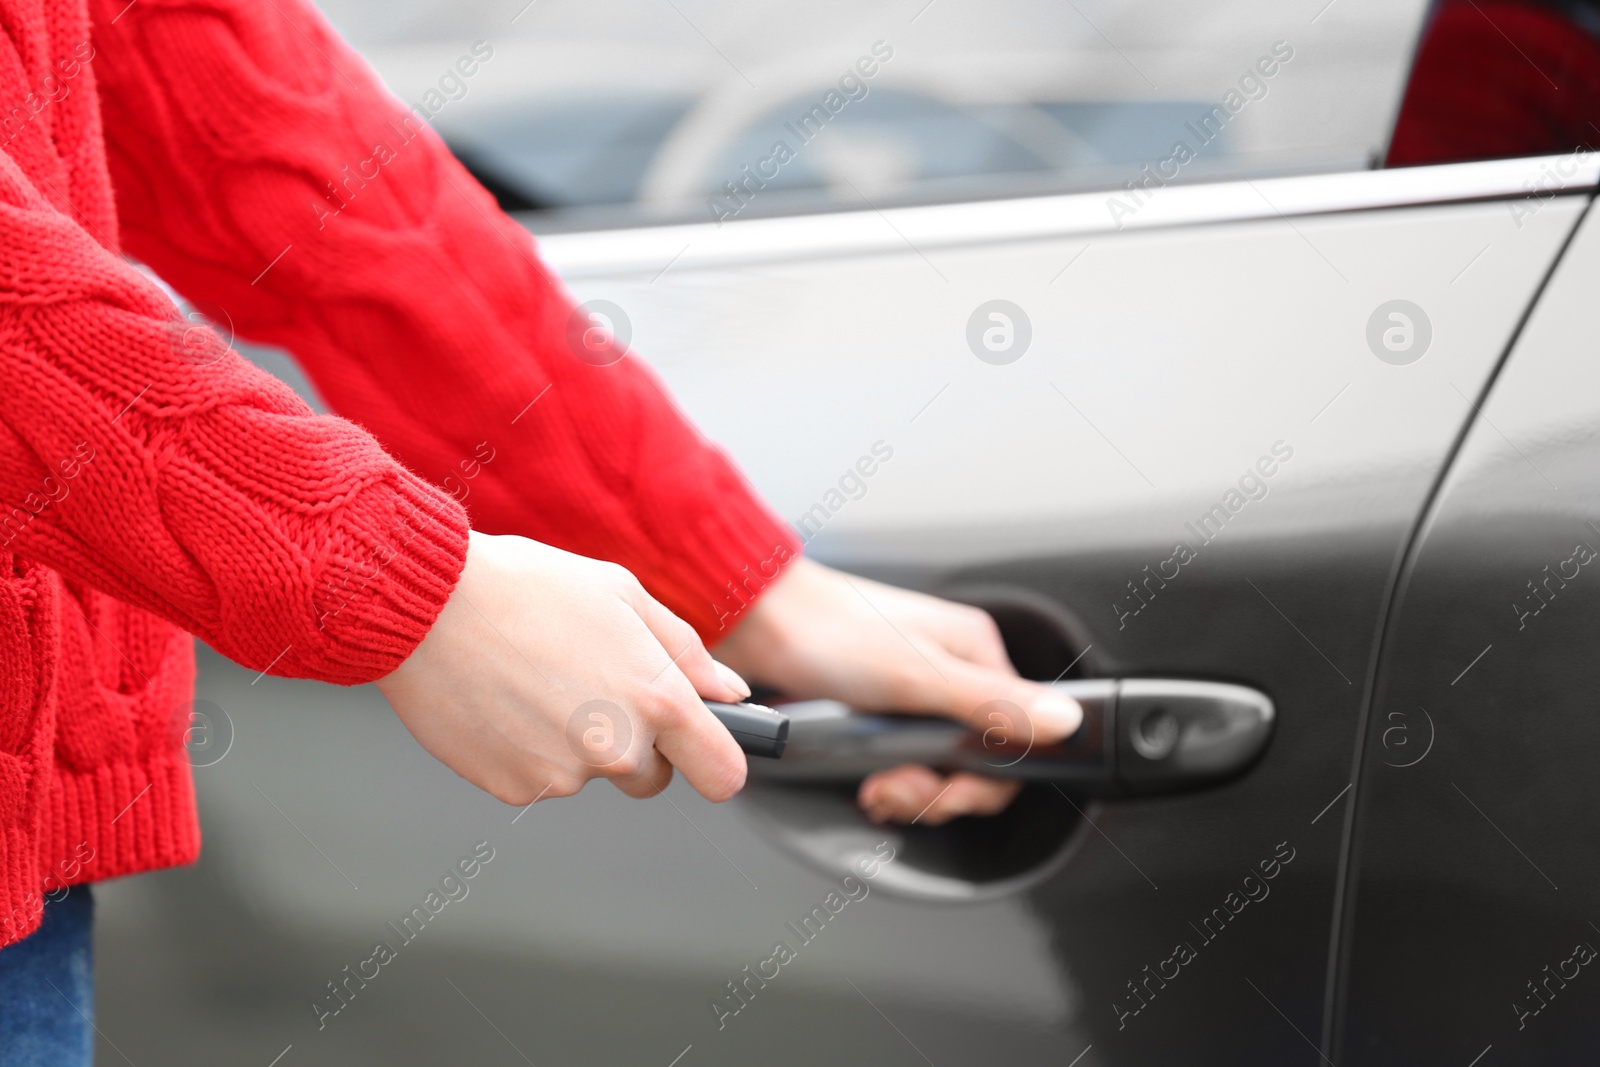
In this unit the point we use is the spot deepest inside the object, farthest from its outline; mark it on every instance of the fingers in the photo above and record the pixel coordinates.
(913, 794)
(954, 664)
(685, 732)
(1007, 710)
(687, 652)
(965, 651)
(899, 795)
(654, 776)
(665, 725)
(693, 741)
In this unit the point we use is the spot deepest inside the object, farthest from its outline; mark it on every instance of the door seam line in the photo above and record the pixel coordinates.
(1337, 976)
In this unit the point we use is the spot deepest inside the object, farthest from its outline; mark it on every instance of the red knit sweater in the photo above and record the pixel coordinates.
(152, 482)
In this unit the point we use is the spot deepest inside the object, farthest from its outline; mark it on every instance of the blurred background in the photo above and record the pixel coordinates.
(624, 111)
(602, 927)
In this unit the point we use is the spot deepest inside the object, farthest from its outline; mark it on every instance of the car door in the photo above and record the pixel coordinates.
(1200, 460)
(1470, 925)
(1163, 428)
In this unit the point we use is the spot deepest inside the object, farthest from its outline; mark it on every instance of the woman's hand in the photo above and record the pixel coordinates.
(819, 633)
(547, 669)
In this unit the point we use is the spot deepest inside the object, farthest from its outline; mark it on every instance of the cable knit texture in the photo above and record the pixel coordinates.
(414, 303)
(153, 482)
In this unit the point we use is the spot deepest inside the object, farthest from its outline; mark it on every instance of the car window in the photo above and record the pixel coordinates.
(616, 112)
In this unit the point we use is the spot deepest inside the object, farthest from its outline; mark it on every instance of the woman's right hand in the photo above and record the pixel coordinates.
(546, 669)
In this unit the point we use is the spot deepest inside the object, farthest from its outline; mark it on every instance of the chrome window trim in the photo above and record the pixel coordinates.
(651, 249)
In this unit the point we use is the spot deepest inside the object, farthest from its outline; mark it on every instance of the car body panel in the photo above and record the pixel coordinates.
(1161, 361)
(1475, 869)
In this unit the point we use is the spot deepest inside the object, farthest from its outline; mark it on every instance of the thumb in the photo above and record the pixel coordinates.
(1008, 711)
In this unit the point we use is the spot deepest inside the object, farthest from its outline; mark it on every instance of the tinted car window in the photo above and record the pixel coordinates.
(622, 111)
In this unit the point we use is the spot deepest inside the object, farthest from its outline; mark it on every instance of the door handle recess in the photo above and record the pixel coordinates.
(1139, 736)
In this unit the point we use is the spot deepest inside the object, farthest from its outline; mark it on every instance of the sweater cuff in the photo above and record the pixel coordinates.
(382, 592)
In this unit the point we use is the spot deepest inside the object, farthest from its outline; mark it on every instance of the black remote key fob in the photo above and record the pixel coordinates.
(760, 731)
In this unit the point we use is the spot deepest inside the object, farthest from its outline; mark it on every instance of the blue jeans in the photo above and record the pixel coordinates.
(47, 989)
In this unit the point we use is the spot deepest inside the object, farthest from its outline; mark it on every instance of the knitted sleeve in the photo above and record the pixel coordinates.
(141, 456)
(262, 170)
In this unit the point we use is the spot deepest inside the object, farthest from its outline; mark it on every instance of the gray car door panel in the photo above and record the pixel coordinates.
(1471, 923)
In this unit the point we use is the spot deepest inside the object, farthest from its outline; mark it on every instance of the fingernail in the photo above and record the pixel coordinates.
(1056, 714)
(732, 680)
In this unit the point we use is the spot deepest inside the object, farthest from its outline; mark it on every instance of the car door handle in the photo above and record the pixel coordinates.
(1139, 736)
